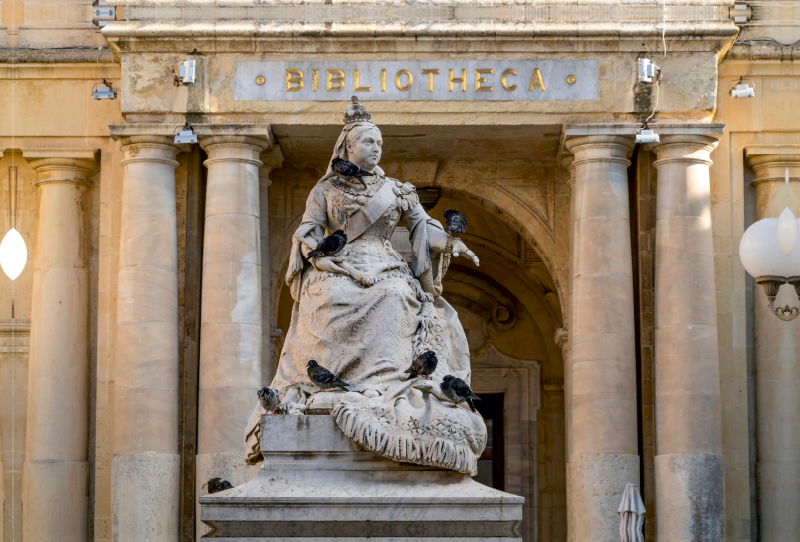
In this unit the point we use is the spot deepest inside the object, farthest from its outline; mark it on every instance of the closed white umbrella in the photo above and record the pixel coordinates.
(631, 512)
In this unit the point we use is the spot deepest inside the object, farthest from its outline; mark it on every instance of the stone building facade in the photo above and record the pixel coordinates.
(610, 311)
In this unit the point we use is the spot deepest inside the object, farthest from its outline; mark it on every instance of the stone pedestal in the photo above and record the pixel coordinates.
(316, 484)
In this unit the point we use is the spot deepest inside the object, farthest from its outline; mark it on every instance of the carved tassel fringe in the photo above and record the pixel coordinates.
(433, 452)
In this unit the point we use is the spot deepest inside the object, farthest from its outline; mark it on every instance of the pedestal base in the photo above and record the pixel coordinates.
(315, 484)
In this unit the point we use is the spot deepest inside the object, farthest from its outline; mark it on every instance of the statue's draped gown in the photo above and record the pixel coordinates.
(368, 327)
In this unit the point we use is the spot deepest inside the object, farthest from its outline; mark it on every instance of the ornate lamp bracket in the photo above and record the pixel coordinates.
(771, 285)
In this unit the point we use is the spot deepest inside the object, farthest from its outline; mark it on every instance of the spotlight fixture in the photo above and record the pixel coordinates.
(647, 71)
(103, 91)
(102, 13)
(743, 90)
(186, 135)
(187, 72)
(646, 135)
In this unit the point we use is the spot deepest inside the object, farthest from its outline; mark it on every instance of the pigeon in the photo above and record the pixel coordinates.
(346, 168)
(423, 366)
(455, 222)
(269, 399)
(458, 391)
(330, 245)
(323, 378)
(215, 485)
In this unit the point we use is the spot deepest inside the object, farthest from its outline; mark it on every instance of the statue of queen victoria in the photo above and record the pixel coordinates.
(364, 313)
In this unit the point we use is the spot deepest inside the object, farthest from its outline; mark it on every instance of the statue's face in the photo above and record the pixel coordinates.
(365, 148)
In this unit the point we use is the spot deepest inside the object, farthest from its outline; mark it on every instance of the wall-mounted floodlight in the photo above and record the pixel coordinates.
(103, 91)
(743, 90)
(645, 135)
(741, 13)
(186, 135)
(647, 70)
(187, 72)
(102, 13)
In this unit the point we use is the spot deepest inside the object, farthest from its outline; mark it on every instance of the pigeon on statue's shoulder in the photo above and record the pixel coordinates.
(269, 399)
(423, 366)
(345, 168)
(458, 391)
(330, 246)
(323, 378)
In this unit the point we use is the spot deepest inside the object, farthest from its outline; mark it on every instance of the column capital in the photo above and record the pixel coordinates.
(568, 162)
(234, 148)
(685, 148)
(272, 159)
(148, 148)
(62, 165)
(769, 162)
(600, 148)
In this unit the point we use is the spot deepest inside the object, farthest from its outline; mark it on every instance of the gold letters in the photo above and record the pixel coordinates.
(480, 80)
(356, 86)
(536, 80)
(335, 80)
(430, 74)
(383, 80)
(462, 80)
(503, 82)
(314, 80)
(397, 80)
(294, 77)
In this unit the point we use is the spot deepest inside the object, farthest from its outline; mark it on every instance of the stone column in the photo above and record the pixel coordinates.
(777, 370)
(56, 469)
(689, 465)
(602, 374)
(271, 160)
(230, 330)
(564, 341)
(145, 468)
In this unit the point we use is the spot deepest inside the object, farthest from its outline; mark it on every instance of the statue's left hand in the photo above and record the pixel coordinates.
(460, 248)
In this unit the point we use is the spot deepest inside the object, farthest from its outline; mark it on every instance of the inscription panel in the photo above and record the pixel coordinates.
(418, 80)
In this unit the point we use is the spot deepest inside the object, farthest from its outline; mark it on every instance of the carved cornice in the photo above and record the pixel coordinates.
(678, 19)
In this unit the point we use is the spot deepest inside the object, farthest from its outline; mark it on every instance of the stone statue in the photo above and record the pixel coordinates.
(365, 314)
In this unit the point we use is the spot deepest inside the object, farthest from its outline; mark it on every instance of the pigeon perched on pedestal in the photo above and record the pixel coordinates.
(423, 366)
(455, 222)
(269, 399)
(323, 378)
(215, 485)
(346, 168)
(331, 245)
(458, 391)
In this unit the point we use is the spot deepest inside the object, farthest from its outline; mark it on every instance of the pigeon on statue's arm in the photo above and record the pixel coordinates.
(323, 378)
(330, 246)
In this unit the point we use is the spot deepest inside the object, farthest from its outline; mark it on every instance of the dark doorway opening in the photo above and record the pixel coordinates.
(491, 464)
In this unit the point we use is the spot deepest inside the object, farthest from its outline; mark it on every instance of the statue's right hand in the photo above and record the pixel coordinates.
(329, 264)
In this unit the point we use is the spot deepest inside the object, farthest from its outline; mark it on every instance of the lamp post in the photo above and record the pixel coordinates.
(769, 252)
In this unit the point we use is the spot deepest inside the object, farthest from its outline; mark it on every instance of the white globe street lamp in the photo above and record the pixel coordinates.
(769, 252)
(13, 254)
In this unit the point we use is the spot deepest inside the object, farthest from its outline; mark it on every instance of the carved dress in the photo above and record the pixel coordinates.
(367, 327)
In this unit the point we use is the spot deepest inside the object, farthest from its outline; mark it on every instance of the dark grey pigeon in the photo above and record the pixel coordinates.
(455, 222)
(323, 378)
(423, 366)
(458, 391)
(329, 246)
(345, 168)
(215, 485)
(269, 399)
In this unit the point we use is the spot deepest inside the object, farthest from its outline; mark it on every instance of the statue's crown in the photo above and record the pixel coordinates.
(355, 112)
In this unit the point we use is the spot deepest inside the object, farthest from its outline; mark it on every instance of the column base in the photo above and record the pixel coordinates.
(690, 498)
(145, 491)
(229, 466)
(779, 500)
(56, 500)
(596, 484)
